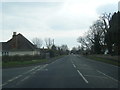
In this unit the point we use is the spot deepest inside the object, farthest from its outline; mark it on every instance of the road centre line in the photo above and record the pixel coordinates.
(72, 62)
(107, 76)
(74, 66)
(82, 76)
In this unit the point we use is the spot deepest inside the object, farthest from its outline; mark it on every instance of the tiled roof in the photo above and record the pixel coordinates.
(18, 43)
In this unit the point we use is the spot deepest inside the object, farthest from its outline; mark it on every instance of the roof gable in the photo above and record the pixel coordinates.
(18, 42)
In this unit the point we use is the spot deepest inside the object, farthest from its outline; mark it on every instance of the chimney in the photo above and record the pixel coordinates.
(14, 34)
(14, 40)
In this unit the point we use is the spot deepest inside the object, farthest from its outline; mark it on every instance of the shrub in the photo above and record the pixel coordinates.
(20, 58)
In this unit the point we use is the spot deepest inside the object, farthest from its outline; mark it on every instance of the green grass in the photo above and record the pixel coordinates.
(103, 60)
(22, 63)
(29, 62)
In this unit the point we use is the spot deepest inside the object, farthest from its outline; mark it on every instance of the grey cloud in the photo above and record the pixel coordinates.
(74, 23)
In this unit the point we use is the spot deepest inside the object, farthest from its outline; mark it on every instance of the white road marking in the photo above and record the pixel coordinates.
(4, 84)
(25, 78)
(38, 69)
(86, 68)
(82, 76)
(32, 71)
(107, 76)
(19, 75)
(44, 70)
(14, 78)
(52, 62)
(71, 61)
(94, 76)
(74, 66)
(11, 80)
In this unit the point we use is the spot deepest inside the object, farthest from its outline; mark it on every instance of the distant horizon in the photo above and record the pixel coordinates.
(64, 21)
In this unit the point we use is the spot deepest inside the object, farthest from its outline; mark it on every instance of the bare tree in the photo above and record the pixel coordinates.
(95, 38)
(106, 21)
(64, 47)
(84, 42)
(49, 42)
(37, 42)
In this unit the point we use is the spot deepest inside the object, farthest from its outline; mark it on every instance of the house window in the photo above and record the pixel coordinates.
(5, 53)
(2, 53)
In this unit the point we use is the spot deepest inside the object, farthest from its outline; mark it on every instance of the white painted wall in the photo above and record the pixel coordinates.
(0, 53)
(23, 53)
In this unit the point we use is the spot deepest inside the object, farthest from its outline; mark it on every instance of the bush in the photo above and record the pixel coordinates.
(20, 58)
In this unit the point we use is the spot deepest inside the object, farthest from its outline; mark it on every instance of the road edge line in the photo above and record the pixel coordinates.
(107, 76)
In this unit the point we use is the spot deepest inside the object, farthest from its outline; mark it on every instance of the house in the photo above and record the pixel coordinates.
(18, 45)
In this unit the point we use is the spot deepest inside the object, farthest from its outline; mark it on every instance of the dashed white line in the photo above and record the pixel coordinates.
(95, 76)
(82, 76)
(44, 70)
(11, 80)
(33, 72)
(14, 78)
(107, 76)
(71, 61)
(74, 66)
(53, 62)
(4, 84)
(38, 69)
(25, 78)
(19, 76)
(34, 69)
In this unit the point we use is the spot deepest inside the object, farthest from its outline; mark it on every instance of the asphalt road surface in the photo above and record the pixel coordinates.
(71, 71)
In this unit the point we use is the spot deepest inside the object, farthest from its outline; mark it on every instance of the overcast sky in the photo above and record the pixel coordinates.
(62, 20)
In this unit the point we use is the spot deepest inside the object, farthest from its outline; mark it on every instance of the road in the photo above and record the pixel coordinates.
(71, 71)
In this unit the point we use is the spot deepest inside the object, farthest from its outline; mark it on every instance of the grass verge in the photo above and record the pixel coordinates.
(29, 62)
(109, 61)
(22, 63)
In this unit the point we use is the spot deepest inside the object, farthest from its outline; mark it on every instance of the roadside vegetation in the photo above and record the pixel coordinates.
(103, 36)
(108, 60)
(103, 39)
(47, 55)
(25, 62)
